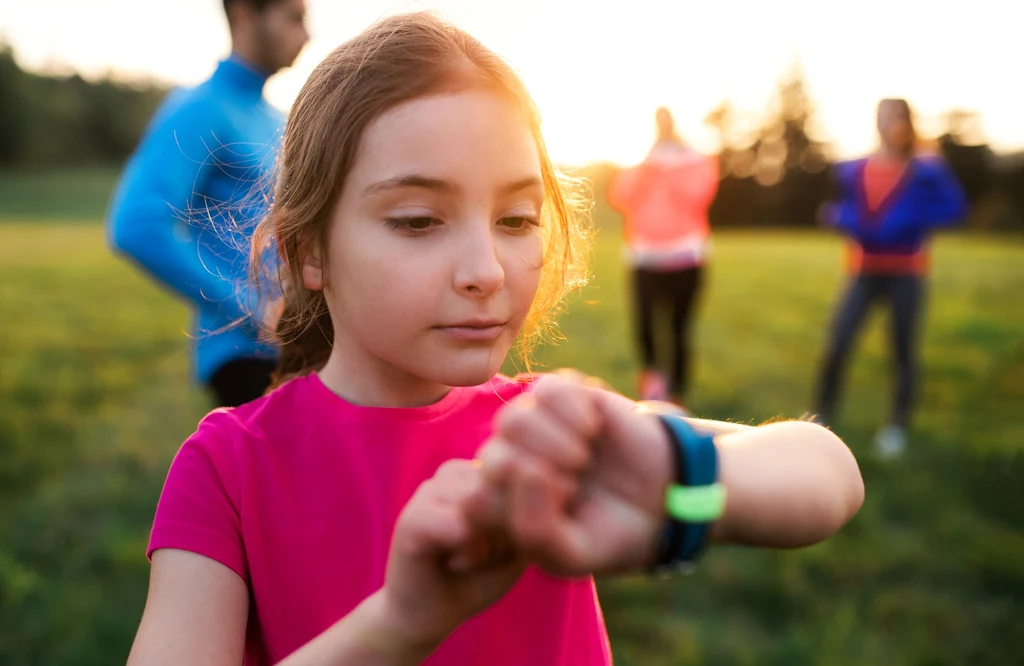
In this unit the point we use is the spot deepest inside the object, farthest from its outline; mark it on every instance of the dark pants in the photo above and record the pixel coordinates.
(241, 380)
(905, 296)
(677, 292)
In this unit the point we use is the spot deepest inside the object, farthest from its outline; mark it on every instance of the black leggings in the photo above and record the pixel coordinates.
(678, 290)
(905, 295)
(241, 380)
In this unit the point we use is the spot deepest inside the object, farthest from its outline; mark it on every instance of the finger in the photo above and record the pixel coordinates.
(569, 375)
(616, 410)
(583, 379)
(457, 479)
(457, 470)
(486, 549)
(597, 383)
(542, 433)
(430, 526)
(538, 514)
(496, 458)
(571, 400)
(462, 484)
(486, 508)
(433, 528)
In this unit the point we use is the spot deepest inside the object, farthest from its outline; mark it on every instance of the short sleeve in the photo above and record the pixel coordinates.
(198, 509)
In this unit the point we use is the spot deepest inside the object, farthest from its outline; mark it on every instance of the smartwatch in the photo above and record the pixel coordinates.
(693, 502)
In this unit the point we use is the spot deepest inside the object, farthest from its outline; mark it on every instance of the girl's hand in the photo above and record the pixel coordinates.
(442, 569)
(577, 477)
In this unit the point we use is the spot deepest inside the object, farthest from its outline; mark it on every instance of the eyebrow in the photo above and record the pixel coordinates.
(446, 187)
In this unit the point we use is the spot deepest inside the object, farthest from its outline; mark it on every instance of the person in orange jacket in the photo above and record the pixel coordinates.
(664, 202)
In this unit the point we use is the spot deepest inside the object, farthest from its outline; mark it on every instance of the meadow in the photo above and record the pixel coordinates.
(95, 398)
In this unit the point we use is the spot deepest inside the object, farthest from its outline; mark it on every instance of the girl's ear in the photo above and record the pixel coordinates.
(312, 269)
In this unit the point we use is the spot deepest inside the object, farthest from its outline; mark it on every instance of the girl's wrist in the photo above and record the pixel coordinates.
(392, 632)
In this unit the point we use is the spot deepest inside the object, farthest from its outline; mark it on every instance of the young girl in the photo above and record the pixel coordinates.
(421, 229)
(889, 204)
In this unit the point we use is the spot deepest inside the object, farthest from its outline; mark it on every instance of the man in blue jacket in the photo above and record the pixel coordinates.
(190, 196)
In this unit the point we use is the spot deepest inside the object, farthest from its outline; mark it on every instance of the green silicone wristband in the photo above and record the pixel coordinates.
(695, 504)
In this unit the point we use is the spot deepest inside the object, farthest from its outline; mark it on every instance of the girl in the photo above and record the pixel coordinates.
(665, 202)
(421, 228)
(889, 204)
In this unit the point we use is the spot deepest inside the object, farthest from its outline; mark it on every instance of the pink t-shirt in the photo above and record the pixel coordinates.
(298, 493)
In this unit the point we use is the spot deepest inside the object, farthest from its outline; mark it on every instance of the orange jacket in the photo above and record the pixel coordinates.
(664, 201)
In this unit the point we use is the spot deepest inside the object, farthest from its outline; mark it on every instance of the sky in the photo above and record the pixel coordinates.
(598, 71)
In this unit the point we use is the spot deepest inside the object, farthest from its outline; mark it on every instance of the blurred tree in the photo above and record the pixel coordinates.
(775, 170)
(993, 184)
(13, 115)
(964, 147)
(48, 121)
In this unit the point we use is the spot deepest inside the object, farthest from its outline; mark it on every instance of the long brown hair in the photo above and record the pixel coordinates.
(395, 60)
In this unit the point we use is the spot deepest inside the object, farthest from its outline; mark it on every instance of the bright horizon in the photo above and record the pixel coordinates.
(598, 76)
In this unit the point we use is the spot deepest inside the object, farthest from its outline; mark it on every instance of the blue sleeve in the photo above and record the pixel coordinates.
(147, 220)
(946, 202)
(841, 210)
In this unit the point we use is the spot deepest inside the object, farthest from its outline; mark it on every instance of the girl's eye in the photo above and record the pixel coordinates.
(412, 223)
(518, 222)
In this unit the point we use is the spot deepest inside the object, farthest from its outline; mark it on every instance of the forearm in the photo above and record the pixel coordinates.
(949, 200)
(716, 427)
(788, 485)
(369, 635)
(701, 425)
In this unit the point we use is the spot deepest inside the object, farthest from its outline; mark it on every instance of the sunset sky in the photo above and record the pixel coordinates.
(598, 74)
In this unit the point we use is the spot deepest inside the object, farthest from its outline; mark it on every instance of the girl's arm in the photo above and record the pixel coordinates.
(788, 484)
(196, 613)
(440, 572)
(948, 203)
(197, 610)
(702, 425)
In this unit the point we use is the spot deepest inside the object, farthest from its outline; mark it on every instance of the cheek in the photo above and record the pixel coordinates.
(523, 273)
(376, 288)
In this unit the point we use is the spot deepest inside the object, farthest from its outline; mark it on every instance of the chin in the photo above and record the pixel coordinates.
(466, 376)
(470, 369)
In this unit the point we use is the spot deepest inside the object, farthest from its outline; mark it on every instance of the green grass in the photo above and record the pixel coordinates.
(79, 195)
(95, 399)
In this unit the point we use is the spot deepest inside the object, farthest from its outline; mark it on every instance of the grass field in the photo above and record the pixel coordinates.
(95, 399)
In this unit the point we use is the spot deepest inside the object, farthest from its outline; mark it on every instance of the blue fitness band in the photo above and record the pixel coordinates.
(695, 501)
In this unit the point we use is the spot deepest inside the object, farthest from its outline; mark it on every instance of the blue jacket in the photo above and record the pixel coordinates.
(189, 198)
(928, 197)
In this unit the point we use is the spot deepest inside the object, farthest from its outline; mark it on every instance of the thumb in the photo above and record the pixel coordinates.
(540, 522)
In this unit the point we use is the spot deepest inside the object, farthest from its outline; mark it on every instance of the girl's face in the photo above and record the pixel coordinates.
(434, 253)
(894, 126)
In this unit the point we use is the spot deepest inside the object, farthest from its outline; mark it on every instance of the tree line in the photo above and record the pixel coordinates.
(68, 121)
(774, 173)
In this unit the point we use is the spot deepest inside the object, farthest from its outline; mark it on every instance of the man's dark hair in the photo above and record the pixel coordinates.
(258, 5)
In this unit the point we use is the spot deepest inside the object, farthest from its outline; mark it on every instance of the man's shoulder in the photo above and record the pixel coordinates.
(192, 102)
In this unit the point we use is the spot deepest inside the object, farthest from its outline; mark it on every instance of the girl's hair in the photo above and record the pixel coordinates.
(396, 60)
